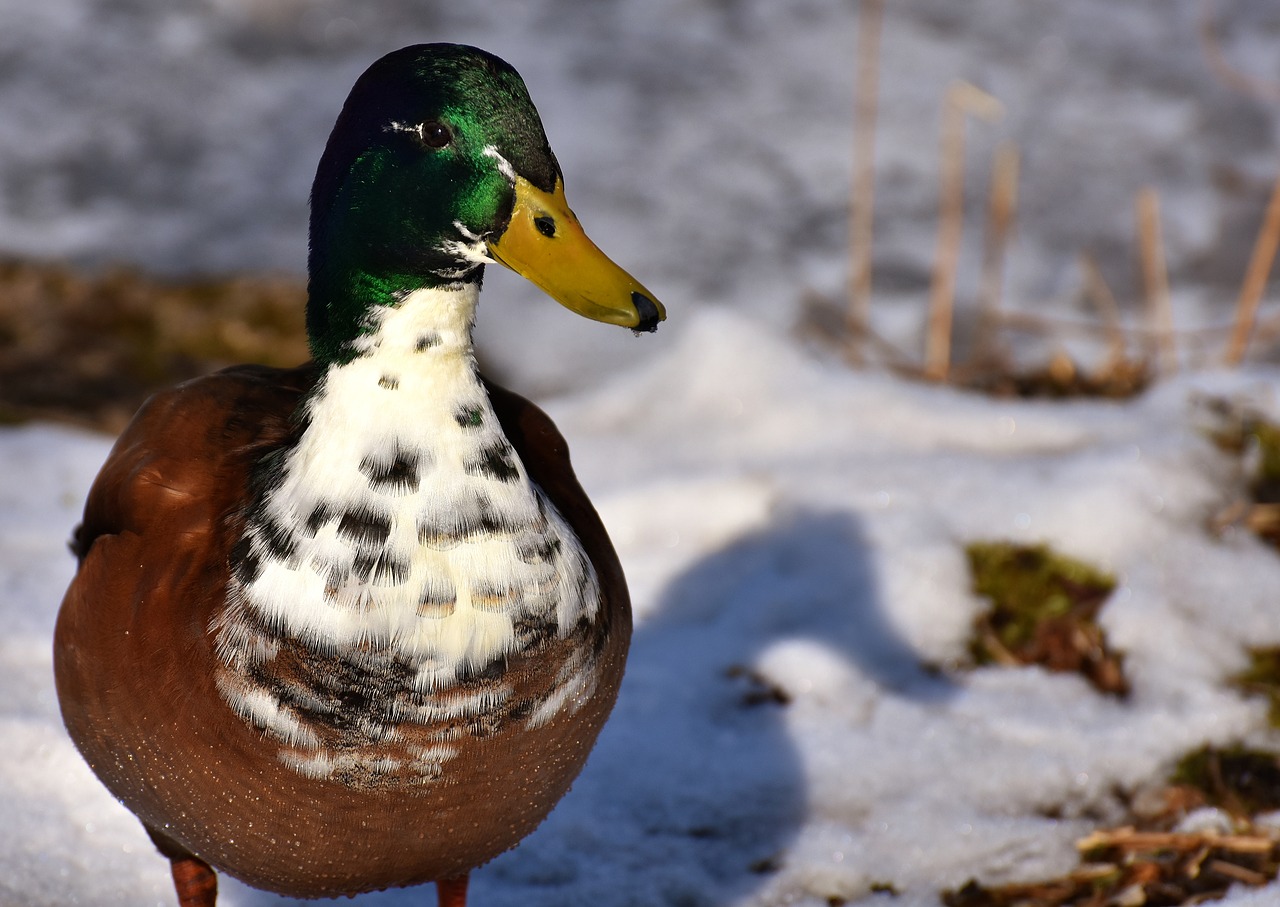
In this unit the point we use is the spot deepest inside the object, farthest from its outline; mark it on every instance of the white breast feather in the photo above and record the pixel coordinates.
(441, 600)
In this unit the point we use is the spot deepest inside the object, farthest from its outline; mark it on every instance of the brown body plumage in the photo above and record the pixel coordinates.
(135, 665)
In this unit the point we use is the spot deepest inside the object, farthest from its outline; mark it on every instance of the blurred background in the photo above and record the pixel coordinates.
(706, 144)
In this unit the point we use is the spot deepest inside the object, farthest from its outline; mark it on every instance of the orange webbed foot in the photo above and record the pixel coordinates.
(452, 892)
(195, 882)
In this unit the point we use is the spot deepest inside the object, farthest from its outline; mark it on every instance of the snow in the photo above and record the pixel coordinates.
(783, 520)
(779, 516)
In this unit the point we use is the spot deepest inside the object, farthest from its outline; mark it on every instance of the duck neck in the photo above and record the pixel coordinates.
(403, 411)
(400, 457)
(348, 301)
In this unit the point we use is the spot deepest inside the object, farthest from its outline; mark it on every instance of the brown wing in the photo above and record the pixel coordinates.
(546, 458)
(131, 642)
(191, 447)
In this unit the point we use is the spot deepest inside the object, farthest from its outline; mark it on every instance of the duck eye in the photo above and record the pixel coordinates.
(435, 134)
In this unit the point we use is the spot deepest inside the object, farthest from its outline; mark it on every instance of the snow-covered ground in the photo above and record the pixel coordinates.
(774, 512)
(807, 523)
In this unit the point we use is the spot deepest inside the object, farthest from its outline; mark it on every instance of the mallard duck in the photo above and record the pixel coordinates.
(355, 625)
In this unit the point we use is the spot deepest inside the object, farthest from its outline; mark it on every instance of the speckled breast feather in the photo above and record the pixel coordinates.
(395, 558)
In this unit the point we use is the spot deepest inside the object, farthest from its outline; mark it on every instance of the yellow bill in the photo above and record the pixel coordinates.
(545, 244)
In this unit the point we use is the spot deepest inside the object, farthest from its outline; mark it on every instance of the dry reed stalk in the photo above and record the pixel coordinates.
(1155, 282)
(1099, 293)
(962, 99)
(1129, 838)
(1002, 204)
(1255, 278)
(862, 199)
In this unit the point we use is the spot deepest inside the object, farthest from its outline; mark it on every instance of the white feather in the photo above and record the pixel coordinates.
(444, 601)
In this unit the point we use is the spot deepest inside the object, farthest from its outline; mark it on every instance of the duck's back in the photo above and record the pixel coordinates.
(142, 671)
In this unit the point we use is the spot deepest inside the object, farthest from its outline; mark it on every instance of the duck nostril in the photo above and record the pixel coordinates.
(546, 225)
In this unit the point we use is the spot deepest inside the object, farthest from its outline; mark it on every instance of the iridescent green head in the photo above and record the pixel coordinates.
(438, 164)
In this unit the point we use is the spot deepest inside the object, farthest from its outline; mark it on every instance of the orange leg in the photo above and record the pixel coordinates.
(452, 892)
(195, 882)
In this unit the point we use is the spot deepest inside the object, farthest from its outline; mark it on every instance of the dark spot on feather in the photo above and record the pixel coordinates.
(497, 461)
(537, 549)
(245, 563)
(369, 530)
(380, 568)
(268, 474)
(469, 417)
(351, 699)
(534, 630)
(389, 382)
(585, 574)
(598, 635)
(485, 724)
(391, 571)
(467, 521)
(400, 474)
(321, 514)
(276, 540)
(426, 342)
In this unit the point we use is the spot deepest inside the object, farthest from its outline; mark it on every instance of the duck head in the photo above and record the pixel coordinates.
(438, 165)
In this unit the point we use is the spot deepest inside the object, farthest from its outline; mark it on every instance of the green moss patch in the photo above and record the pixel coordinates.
(1262, 678)
(1044, 609)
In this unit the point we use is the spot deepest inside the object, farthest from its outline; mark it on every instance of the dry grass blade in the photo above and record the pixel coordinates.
(1155, 281)
(1255, 279)
(1132, 840)
(962, 100)
(1002, 204)
(1098, 291)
